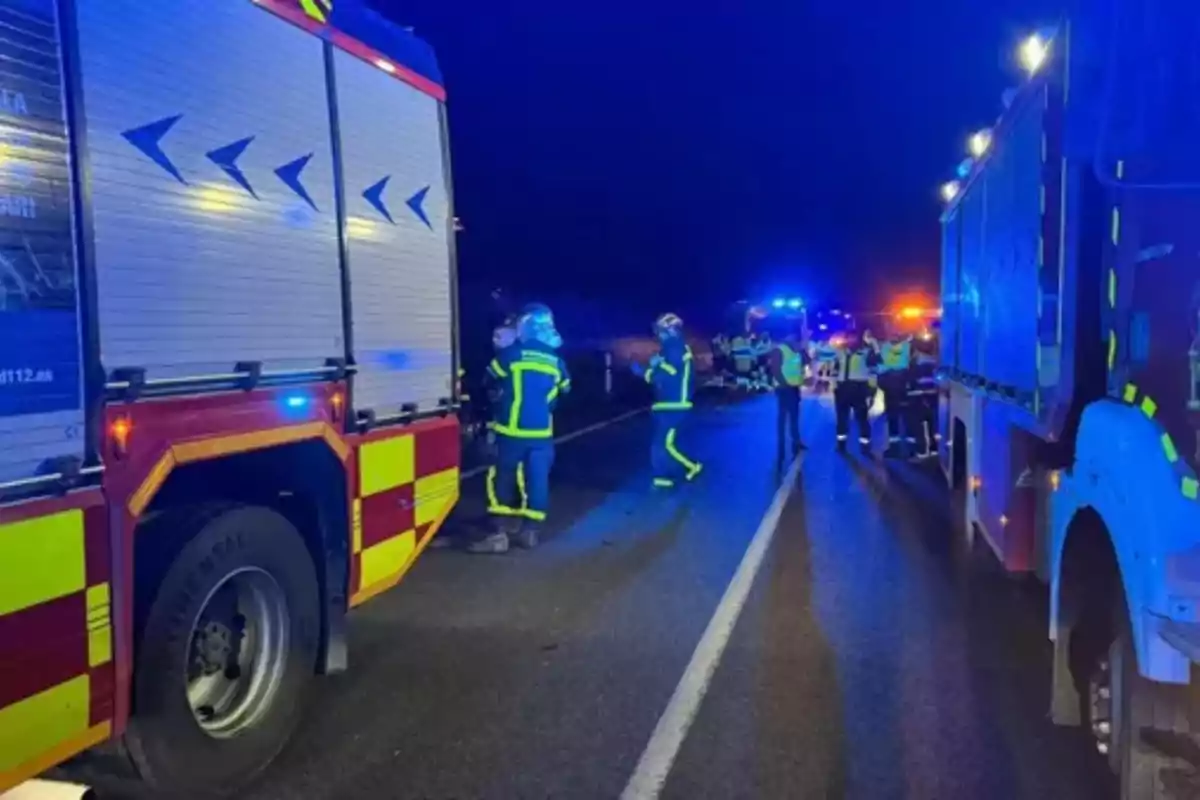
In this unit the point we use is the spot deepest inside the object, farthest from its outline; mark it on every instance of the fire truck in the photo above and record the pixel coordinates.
(1069, 362)
(227, 394)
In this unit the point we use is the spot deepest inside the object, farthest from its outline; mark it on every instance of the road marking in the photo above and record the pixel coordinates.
(566, 437)
(652, 770)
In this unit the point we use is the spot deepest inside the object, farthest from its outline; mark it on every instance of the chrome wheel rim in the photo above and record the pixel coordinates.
(237, 653)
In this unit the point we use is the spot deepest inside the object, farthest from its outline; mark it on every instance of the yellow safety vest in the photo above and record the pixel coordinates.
(792, 366)
(852, 366)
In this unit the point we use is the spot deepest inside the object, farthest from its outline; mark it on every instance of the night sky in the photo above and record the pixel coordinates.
(660, 159)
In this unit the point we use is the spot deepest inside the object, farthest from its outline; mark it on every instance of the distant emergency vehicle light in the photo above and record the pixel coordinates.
(950, 190)
(1033, 53)
(778, 302)
(911, 312)
(795, 302)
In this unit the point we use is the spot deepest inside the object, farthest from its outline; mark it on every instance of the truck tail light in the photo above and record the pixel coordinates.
(336, 404)
(118, 432)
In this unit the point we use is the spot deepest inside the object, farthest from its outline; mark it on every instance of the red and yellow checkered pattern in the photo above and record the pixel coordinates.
(56, 637)
(407, 484)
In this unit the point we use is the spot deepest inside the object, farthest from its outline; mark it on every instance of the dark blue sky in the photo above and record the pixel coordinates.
(666, 159)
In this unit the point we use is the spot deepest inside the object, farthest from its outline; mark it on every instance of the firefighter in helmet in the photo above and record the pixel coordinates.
(531, 376)
(672, 375)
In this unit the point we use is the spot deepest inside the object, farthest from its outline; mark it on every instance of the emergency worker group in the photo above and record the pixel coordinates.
(525, 380)
(527, 377)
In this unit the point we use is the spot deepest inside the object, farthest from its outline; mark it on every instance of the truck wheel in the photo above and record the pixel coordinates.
(1120, 705)
(228, 649)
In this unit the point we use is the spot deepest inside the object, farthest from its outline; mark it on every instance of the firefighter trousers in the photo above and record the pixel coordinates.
(667, 461)
(853, 398)
(519, 483)
(895, 399)
(922, 422)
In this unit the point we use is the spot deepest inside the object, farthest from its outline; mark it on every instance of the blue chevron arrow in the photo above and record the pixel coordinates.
(226, 158)
(289, 173)
(147, 138)
(374, 195)
(417, 204)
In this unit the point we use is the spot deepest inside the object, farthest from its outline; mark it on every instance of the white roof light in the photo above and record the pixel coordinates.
(950, 190)
(1033, 53)
(979, 143)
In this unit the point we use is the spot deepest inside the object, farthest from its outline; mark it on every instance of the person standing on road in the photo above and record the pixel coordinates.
(671, 374)
(923, 401)
(787, 362)
(531, 376)
(893, 380)
(853, 390)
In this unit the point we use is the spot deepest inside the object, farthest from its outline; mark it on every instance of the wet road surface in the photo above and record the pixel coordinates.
(874, 658)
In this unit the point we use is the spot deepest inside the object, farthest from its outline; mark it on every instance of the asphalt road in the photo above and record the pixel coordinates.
(874, 658)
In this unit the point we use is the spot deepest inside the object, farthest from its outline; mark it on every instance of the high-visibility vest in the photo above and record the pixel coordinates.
(894, 357)
(792, 366)
(852, 366)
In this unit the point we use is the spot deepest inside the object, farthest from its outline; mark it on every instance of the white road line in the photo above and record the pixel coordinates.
(652, 770)
(566, 437)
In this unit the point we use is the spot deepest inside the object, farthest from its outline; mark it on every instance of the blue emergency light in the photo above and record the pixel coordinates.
(295, 402)
(779, 302)
(795, 303)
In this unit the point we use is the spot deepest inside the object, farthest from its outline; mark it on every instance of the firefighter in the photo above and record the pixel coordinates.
(895, 356)
(531, 376)
(852, 393)
(787, 362)
(671, 373)
(923, 400)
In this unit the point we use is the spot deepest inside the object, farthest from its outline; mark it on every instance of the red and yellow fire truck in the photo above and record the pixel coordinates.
(227, 360)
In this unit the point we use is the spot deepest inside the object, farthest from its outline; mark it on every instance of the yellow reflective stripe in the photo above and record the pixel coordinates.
(667, 368)
(664, 482)
(1130, 392)
(1112, 349)
(356, 527)
(671, 406)
(433, 492)
(498, 368)
(1168, 445)
(649, 375)
(30, 727)
(41, 559)
(1112, 288)
(521, 433)
(675, 454)
(385, 560)
(317, 9)
(536, 516)
(1149, 407)
(683, 384)
(521, 486)
(386, 464)
(1190, 488)
(1116, 225)
(99, 625)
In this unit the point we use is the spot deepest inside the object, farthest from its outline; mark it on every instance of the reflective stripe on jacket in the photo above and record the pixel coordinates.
(671, 377)
(531, 376)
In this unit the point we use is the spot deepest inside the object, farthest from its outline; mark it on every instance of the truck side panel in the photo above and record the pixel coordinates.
(1010, 247)
(972, 276)
(951, 299)
(212, 188)
(41, 405)
(397, 231)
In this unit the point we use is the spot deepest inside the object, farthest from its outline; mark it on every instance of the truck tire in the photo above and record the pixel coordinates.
(1120, 706)
(226, 654)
